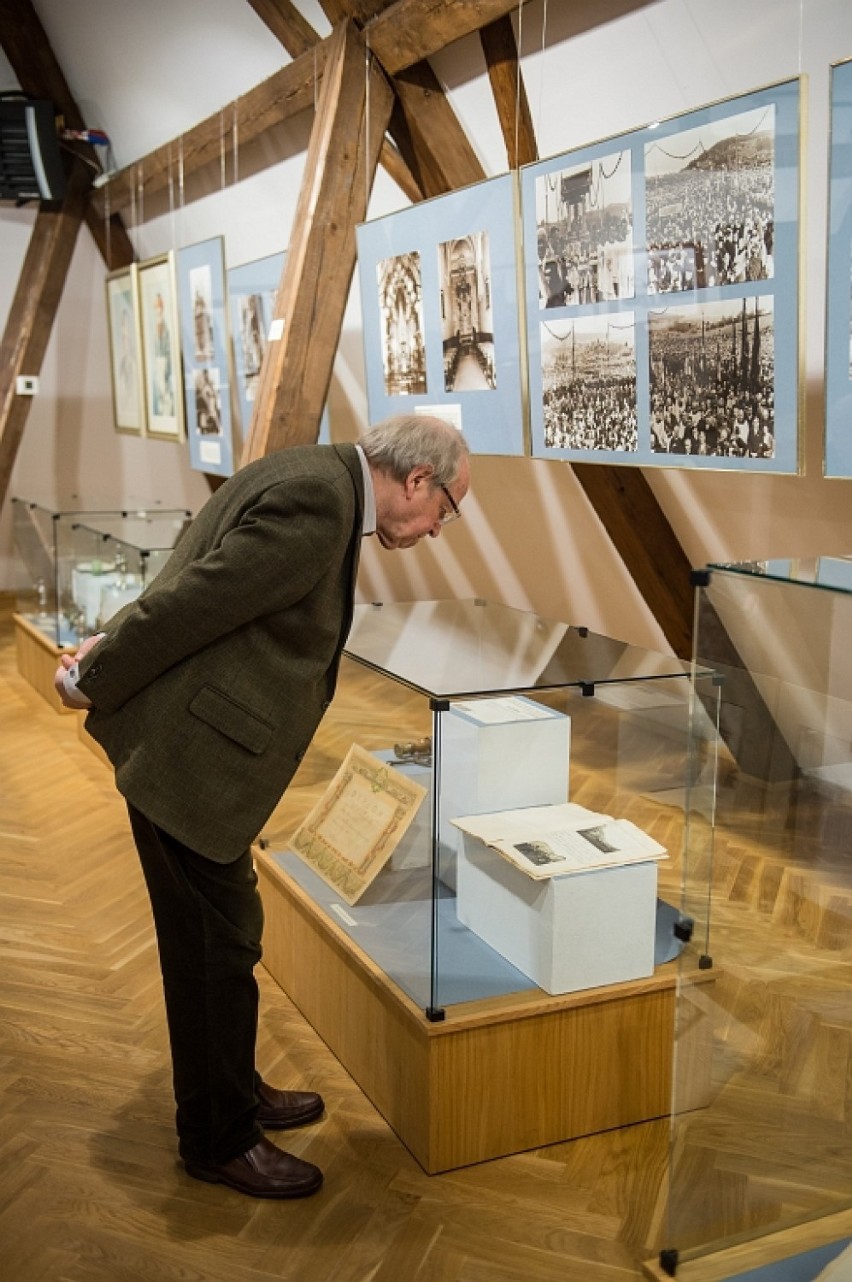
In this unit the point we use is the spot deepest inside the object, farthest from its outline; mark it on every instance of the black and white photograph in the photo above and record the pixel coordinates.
(710, 203)
(584, 233)
(400, 288)
(208, 402)
(538, 853)
(597, 837)
(201, 290)
(588, 373)
(467, 324)
(252, 339)
(712, 369)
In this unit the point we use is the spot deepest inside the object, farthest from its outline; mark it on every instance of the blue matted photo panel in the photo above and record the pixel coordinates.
(439, 298)
(662, 291)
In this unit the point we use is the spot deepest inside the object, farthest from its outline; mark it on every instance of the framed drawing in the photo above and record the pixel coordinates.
(161, 349)
(354, 828)
(661, 275)
(206, 356)
(440, 313)
(125, 351)
(838, 327)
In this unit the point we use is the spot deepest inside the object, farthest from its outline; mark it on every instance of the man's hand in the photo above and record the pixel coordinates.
(69, 696)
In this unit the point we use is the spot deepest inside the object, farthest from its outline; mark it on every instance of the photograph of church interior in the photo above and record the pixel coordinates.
(557, 887)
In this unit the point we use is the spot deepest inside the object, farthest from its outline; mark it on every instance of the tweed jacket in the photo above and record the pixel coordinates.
(207, 690)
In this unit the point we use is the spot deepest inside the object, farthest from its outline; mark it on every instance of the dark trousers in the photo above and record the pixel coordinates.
(209, 921)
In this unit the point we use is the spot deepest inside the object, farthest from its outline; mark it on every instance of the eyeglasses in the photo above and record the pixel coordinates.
(454, 512)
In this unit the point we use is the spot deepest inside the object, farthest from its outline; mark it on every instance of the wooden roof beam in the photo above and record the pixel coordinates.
(340, 167)
(298, 36)
(408, 31)
(33, 309)
(510, 95)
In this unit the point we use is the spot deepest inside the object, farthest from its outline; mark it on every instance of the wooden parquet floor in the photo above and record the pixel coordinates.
(90, 1189)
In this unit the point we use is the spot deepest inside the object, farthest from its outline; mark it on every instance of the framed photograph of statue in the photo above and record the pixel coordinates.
(661, 275)
(125, 348)
(161, 348)
(838, 327)
(440, 313)
(206, 356)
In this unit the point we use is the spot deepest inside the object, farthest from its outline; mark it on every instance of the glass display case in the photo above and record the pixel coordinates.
(767, 881)
(491, 710)
(83, 566)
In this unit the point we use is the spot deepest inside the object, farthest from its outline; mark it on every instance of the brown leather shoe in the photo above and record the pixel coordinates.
(264, 1171)
(282, 1110)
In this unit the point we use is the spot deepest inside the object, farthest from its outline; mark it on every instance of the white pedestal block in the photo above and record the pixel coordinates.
(580, 930)
(505, 762)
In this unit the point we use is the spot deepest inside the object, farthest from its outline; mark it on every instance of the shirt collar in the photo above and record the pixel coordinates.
(369, 526)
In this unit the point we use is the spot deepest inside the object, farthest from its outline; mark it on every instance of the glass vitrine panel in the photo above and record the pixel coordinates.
(81, 566)
(767, 874)
(491, 709)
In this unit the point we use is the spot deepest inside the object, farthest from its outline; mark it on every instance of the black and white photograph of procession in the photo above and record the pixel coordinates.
(584, 223)
(712, 370)
(588, 374)
(710, 194)
(467, 318)
(400, 289)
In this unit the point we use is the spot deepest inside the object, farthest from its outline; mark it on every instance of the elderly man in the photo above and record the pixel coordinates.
(205, 694)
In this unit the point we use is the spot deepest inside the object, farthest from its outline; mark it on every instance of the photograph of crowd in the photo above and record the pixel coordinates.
(467, 323)
(401, 309)
(588, 372)
(712, 369)
(584, 235)
(710, 195)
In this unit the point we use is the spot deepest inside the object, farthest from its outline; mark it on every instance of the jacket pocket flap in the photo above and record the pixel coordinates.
(230, 718)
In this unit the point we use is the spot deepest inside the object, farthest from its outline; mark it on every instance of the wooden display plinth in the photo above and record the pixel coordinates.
(38, 659)
(497, 1076)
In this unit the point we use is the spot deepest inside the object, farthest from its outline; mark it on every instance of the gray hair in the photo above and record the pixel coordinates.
(406, 441)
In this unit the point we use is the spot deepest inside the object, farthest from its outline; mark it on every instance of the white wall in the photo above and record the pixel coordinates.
(529, 537)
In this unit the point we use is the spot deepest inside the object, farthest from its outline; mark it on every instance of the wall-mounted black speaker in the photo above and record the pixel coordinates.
(31, 165)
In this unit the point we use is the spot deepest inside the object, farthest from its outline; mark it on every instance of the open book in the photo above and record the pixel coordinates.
(550, 841)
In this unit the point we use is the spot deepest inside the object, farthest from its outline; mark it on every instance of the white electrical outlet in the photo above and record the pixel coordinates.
(26, 385)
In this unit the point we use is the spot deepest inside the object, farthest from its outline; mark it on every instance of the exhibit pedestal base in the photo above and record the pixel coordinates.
(38, 658)
(496, 1076)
